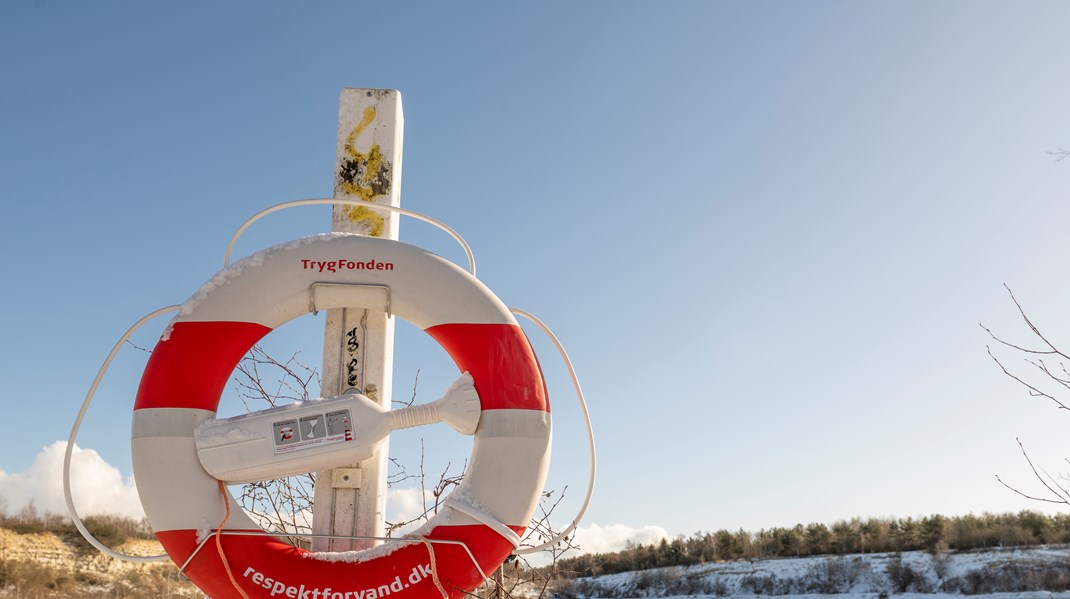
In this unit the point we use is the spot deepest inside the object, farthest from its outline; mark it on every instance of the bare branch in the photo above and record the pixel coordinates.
(412, 400)
(1032, 326)
(1062, 496)
(1032, 390)
(1062, 490)
(1029, 461)
(278, 505)
(138, 347)
(1059, 154)
(1002, 341)
(1030, 497)
(1041, 366)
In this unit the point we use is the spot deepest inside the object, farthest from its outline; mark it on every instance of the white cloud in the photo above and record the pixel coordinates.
(614, 537)
(97, 486)
(404, 504)
(604, 539)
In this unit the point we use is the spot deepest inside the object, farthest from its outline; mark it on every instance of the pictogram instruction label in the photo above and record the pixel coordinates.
(310, 431)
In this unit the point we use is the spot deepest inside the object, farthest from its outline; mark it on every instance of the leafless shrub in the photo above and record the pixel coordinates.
(759, 584)
(832, 575)
(28, 576)
(1015, 577)
(282, 506)
(905, 579)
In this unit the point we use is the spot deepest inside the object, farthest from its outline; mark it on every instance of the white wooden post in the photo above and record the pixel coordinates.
(358, 345)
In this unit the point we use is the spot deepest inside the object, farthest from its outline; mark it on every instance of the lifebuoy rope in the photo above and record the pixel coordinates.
(590, 437)
(434, 567)
(74, 438)
(219, 541)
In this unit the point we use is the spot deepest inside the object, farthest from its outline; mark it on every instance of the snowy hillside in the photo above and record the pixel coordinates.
(1007, 573)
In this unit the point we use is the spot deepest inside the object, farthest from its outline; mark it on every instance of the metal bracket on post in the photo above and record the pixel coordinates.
(358, 344)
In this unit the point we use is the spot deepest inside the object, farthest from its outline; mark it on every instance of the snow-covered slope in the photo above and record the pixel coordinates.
(1008, 573)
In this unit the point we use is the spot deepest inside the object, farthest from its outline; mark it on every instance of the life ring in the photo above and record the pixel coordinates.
(190, 365)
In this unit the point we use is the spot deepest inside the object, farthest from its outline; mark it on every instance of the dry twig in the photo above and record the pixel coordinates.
(1058, 494)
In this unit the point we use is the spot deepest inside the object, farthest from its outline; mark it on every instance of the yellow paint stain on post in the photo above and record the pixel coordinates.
(364, 175)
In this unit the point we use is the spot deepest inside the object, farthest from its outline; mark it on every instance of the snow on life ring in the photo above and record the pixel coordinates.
(189, 367)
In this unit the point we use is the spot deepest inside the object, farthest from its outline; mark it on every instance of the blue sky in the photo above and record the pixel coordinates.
(767, 232)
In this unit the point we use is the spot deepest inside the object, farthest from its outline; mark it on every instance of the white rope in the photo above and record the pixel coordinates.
(590, 436)
(74, 436)
(372, 205)
(484, 518)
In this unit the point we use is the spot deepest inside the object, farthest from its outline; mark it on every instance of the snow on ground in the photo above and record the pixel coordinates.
(1018, 573)
(1024, 595)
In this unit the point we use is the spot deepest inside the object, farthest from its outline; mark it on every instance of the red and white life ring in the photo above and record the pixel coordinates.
(189, 367)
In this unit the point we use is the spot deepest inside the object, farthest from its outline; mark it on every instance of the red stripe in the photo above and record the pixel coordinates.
(502, 363)
(400, 571)
(191, 367)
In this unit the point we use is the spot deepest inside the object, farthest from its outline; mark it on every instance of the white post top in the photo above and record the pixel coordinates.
(368, 160)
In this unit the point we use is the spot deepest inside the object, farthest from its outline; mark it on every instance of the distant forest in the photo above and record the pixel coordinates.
(936, 534)
(875, 535)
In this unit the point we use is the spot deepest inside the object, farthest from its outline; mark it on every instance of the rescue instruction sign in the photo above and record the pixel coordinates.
(314, 430)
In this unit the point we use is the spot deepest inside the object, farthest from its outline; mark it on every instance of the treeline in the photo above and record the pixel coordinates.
(874, 535)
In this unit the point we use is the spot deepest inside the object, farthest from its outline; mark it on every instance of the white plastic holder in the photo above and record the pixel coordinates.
(321, 434)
